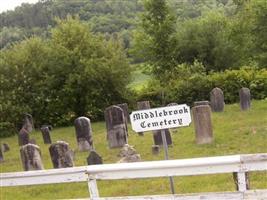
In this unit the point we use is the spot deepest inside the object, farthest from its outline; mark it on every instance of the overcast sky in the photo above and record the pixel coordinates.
(11, 4)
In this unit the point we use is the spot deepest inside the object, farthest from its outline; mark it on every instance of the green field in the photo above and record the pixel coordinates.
(235, 132)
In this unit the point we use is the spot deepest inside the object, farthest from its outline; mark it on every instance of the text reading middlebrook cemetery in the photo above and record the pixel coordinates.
(161, 118)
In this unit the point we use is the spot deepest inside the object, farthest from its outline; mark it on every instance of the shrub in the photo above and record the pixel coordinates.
(7, 129)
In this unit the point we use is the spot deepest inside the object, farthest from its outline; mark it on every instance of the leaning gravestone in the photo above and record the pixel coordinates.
(83, 133)
(24, 137)
(28, 122)
(94, 158)
(31, 157)
(142, 105)
(60, 154)
(46, 134)
(1, 155)
(125, 109)
(202, 122)
(116, 129)
(244, 95)
(217, 100)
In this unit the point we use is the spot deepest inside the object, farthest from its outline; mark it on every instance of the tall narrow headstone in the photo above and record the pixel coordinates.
(61, 155)
(217, 100)
(244, 95)
(31, 157)
(94, 158)
(202, 123)
(1, 155)
(116, 129)
(142, 105)
(28, 122)
(46, 134)
(83, 133)
(24, 137)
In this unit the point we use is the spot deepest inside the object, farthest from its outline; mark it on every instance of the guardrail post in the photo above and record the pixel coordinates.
(241, 181)
(92, 186)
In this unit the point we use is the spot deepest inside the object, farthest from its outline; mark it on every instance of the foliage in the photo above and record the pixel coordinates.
(72, 74)
(7, 129)
(189, 85)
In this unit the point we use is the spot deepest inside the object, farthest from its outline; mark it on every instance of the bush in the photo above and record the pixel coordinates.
(197, 86)
(7, 129)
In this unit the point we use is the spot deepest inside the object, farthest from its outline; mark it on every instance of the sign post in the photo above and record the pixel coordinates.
(160, 119)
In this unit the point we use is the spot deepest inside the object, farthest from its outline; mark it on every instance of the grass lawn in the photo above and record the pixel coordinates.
(235, 132)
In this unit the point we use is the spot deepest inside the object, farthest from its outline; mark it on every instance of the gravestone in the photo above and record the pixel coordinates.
(244, 95)
(116, 129)
(202, 123)
(83, 133)
(1, 155)
(46, 134)
(5, 147)
(217, 100)
(155, 149)
(128, 154)
(24, 137)
(94, 158)
(199, 103)
(158, 138)
(60, 154)
(142, 105)
(31, 157)
(28, 122)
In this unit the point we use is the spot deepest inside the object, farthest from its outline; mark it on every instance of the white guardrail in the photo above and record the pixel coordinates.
(239, 164)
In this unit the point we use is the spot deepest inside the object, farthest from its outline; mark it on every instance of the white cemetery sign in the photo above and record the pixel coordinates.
(161, 118)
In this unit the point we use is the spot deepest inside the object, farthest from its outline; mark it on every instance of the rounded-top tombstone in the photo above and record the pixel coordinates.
(84, 133)
(116, 129)
(61, 155)
(217, 100)
(31, 157)
(244, 95)
(45, 129)
(28, 122)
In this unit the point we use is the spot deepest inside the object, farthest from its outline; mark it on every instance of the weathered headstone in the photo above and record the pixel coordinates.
(1, 155)
(28, 122)
(61, 155)
(199, 103)
(158, 139)
(24, 137)
(5, 147)
(115, 124)
(31, 157)
(202, 123)
(128, 154)
(155, 149)
(217, 100)
(244, 95)
(83, 133)
(94, 158)
(142, 105)
(46, 134)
